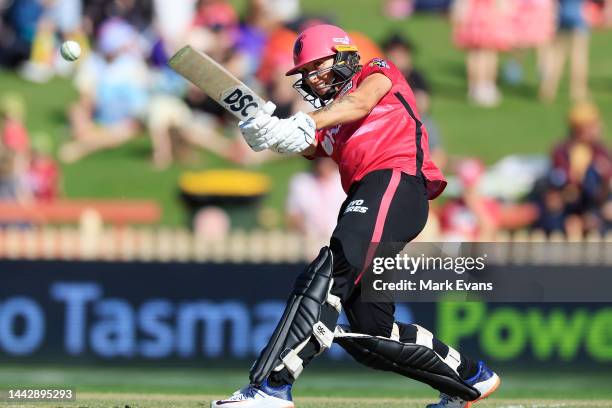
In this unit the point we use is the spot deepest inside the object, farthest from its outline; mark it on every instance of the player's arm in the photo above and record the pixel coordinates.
(355, 105)
(297, 133)
(351, 107)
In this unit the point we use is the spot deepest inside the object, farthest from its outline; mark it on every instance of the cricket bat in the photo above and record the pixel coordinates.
(218, 83)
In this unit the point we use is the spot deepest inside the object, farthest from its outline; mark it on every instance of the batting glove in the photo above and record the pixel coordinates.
(293, 135)
(255, 129)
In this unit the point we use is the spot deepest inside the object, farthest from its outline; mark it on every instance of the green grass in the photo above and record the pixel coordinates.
(96, 386)
(520, 125)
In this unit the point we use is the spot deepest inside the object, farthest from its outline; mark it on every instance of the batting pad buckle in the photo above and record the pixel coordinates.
(293, 363)
(334, 301)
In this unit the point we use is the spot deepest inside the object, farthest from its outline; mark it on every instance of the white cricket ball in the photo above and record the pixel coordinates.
(71, 50)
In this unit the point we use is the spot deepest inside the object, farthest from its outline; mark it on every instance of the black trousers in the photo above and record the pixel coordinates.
(382, 212)
(384, 209)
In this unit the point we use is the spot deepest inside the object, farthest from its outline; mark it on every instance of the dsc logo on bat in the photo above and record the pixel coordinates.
(240, 101)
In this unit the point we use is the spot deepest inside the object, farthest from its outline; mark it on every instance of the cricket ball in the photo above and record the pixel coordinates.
(71, 50)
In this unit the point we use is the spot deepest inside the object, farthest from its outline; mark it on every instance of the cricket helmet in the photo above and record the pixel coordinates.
(317, 42)
(320, 41)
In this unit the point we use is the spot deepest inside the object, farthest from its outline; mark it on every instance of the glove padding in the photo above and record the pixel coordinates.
(254, 129)
(292, 135)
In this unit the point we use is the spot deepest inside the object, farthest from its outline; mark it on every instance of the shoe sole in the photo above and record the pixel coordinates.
(491, 391)
(215, 404)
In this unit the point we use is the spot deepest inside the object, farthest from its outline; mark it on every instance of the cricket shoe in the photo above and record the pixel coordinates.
(262, 397)
(485, 381)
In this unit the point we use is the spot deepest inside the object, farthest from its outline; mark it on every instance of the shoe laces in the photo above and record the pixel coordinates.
(244, 394)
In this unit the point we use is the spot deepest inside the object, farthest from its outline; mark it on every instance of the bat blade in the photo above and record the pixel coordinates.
(216, 82)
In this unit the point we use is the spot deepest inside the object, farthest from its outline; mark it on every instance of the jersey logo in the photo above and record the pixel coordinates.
(379, 62)
(356, 206)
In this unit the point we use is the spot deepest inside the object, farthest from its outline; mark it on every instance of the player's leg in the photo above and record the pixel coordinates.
(305, 330)
(381, 342)
(296, 340)
(579, 65)
(413, 351)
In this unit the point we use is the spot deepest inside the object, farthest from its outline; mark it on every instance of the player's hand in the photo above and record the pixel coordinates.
(253, 130)
(256, 131)
(293, 135)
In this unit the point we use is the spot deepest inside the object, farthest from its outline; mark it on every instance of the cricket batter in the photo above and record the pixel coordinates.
(367, 122)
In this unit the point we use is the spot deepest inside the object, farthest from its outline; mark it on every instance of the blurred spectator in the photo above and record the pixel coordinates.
(59, 20)
(14, 133)
(211, 223)
(176, 124)
(475, 217)
(572, 38)
(196, 119)
(314, 200)
(17, 30)
(14, 149)
(138, 13)
(284, 11)
(400, 51)
(534, 26)
(277, 59)
(43, 173)
(470, 217)
(268, 15)
(607, 13)
(482, 28)
(172, 20)
(276, 54)
(9, 186)
(581, 175)
(400, 9)
(28, 170)
(551, 204)
(112, 84)
(433, 5)
(595, 13)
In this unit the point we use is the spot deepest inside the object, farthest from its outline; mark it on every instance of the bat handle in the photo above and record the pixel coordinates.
(267, 109)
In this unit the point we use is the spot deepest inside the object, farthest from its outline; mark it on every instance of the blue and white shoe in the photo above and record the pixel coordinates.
(485, 381)
(262, 397)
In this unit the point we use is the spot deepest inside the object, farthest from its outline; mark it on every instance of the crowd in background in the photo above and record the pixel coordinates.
(125, 89)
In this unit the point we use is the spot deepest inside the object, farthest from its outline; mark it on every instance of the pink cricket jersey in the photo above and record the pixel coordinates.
(390, 137)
